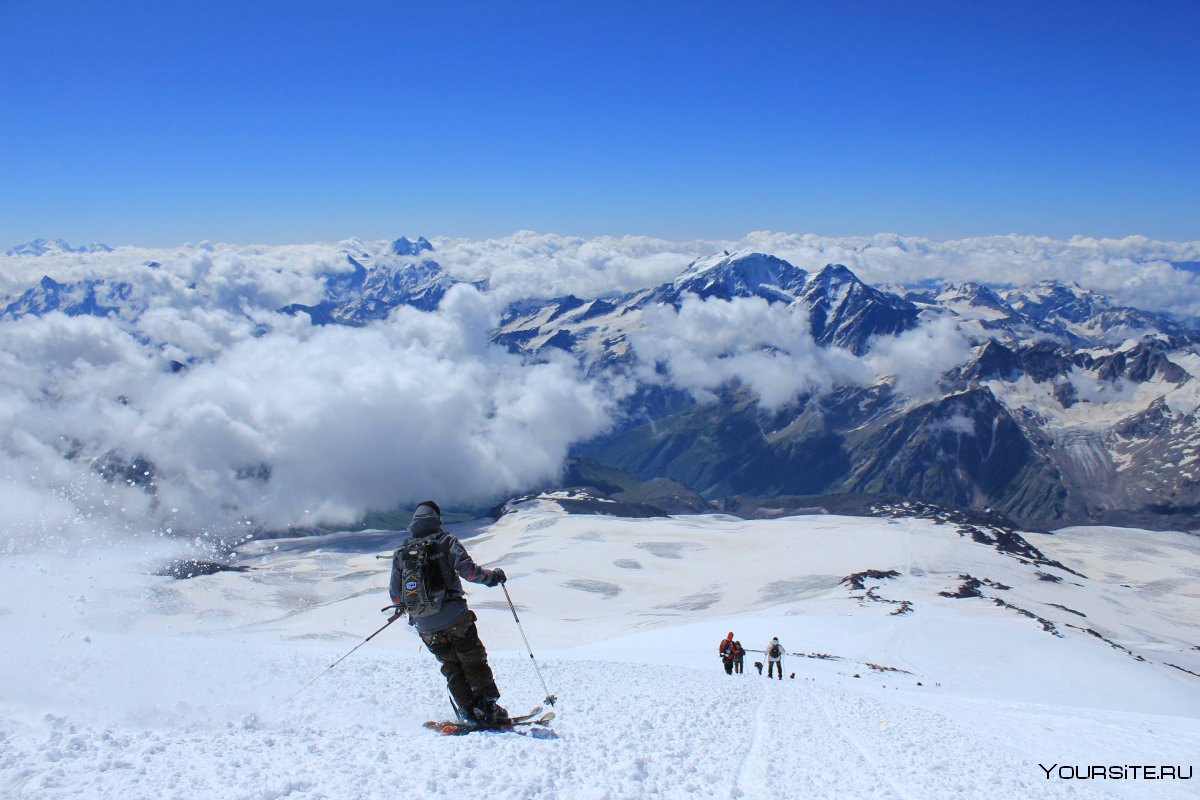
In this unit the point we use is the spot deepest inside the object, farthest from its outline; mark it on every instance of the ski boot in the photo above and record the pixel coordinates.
(488, 712)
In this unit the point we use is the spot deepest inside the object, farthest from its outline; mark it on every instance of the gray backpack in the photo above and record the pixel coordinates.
(424, 584)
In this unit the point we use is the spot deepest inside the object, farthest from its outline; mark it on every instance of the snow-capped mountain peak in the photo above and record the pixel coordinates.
(369, 291)
(846, 312)
(93, 297)
(1082, 314)
(742, 274)
(974, 298)
(1068, 302)
(41, 247)
(405, 247)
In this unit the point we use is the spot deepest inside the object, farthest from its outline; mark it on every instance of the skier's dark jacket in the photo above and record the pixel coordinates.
(461, 566)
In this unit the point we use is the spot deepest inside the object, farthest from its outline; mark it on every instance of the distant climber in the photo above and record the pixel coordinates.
(775, 658)
(725, 651)
(739, 657)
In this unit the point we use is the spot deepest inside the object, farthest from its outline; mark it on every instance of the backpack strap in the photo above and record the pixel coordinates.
(449, 577)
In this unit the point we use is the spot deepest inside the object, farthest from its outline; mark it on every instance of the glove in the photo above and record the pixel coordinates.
(496, 576)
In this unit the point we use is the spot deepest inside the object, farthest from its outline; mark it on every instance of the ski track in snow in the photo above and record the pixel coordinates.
(356, 733)
(948, 760)
(754, 765)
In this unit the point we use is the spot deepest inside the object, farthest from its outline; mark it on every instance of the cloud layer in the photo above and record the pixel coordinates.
(766, 347)
(303, 425)
(709, 344)
(1134, 270)
(283, 423)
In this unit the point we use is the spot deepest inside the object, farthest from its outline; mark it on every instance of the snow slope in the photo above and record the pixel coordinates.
(120, 684)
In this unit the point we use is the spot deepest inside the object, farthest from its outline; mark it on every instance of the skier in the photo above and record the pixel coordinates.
(725, 650)
(775, 658)
(449, 632)
(739, 657)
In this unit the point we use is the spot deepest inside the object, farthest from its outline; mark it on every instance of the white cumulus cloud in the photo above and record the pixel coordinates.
(767, 347)
(302, 425)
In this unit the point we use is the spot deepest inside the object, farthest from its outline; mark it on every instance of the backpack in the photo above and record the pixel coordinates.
(775, 651)
(424, 587)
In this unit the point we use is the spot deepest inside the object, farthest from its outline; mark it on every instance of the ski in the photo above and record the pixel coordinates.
(528, 716)
(519, 718)
(451, 727)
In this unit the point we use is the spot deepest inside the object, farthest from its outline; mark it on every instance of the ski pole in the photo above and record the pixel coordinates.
(391, 619)
(550, 699)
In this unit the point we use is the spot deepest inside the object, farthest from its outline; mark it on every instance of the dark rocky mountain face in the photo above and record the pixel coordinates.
(404, 247)
(845, 312)
(964, 450)
(731, 447)
(1079, 315)
(995, 362)
(1052, 417)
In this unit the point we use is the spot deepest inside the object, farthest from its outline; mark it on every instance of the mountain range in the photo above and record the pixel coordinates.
(1058, 405)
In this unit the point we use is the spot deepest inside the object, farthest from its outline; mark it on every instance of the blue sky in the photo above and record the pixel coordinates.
(159, 123)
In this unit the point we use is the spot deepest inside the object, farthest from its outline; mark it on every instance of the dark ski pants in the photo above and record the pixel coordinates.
(738, 665)
(772, 666)
(464, 662)
(728, 663)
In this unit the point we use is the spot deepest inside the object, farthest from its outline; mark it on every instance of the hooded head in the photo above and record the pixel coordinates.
(427, 519)
(729, 635)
